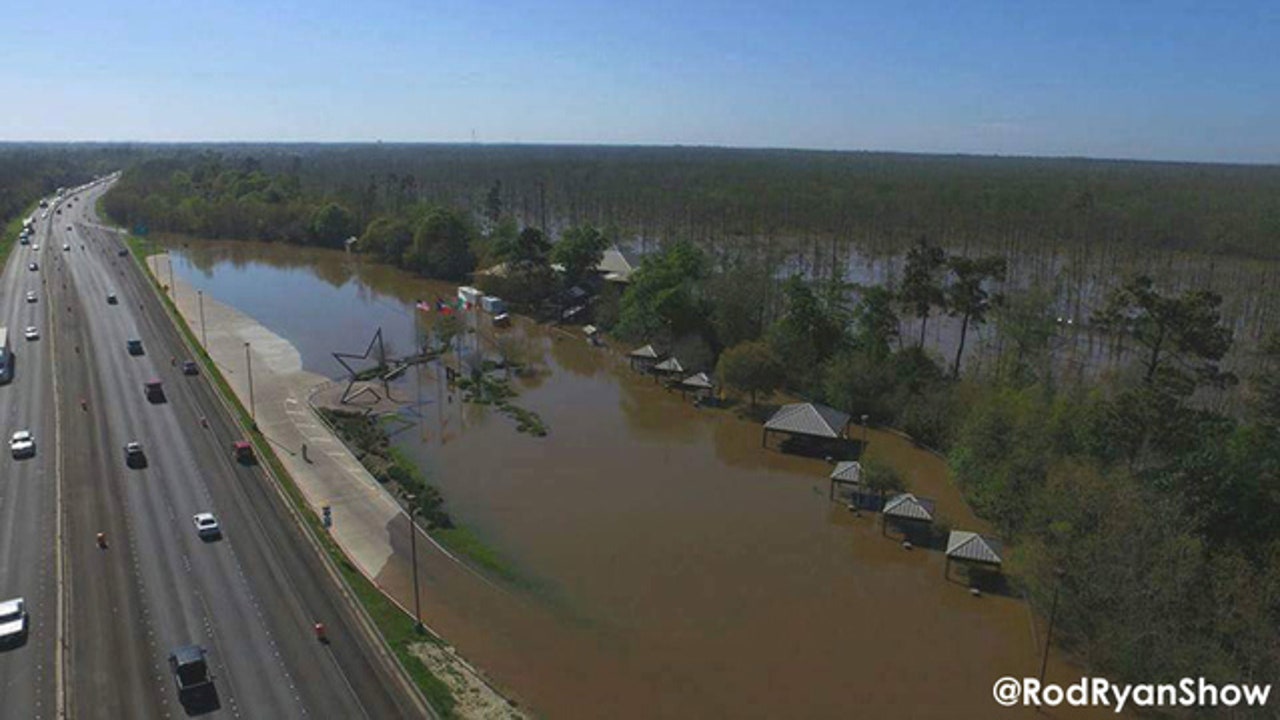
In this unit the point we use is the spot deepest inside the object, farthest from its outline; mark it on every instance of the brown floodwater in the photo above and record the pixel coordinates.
(668, 564)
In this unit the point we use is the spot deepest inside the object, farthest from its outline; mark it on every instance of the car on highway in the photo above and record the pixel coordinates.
(35, 248)
(22, 444)
(33, 266)
(134, 345)
(207, 526)
(189, 367)
(190, 670)
(242, 452)
(31, 333)
(13, 621)
(31, 296)
(111, 299)
(66, 247)
(154, 390)
(134, 457)
(69, 229)
(122, 252)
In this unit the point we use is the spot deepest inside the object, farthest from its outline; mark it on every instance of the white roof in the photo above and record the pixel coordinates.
(698, 380)
(616, 265)
(847, 471)
(671, 364)
(909, 507)
(644, 352)
(965, 545)
(809, 419)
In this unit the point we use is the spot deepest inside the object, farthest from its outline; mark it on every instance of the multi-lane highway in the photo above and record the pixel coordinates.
(27, 486)
(250, 598)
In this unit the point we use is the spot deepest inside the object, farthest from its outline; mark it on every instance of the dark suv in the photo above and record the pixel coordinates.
(190, 670)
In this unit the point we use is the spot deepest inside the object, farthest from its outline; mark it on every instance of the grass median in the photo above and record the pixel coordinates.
(397, 628)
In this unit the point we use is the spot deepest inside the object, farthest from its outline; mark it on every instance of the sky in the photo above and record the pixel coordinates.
(1164, 80)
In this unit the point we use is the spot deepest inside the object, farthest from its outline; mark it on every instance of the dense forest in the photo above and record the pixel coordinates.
(30, 171)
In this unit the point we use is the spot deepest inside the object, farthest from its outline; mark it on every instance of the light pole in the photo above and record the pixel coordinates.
(173, 291)
(204, 336)
(865, 418)
(413, 555)
(1058, 573)
(248, 363)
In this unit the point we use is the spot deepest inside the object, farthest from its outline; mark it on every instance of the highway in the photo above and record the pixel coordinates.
(27, 488)
(250, 598)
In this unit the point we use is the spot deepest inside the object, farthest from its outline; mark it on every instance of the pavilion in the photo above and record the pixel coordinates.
(809, 420)
(971, 547)
(643, 358)
(906, 508)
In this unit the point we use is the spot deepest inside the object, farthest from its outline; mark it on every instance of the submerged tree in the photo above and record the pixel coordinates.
(922, 282)
(750, 367)
(1183, 334)
(967, 296)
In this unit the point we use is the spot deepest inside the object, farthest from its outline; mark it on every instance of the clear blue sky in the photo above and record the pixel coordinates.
(1163, 80)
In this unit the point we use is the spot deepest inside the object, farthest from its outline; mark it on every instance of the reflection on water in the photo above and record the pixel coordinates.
(679, 569)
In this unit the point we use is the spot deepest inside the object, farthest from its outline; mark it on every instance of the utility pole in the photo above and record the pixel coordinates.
(173, 291)
(248, 364)
(204, 336)
(413, 554)
(1059, 573)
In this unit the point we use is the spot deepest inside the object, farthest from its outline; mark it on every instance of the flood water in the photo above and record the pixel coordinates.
(670, 565)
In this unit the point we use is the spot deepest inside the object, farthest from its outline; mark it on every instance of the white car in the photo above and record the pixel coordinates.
(31, 296)
(31, 333)
(66, 246)
(13, 621)
(206, 525)
(23, 444)
(35, 248)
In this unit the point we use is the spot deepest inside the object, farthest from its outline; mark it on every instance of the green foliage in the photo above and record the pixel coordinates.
(876, 322)
(881, 478)
(808, 333)
(578, 252)
(922, 288)
(441, 246)
(1179, 334)
(750, 367)
(331, 224)
(663, 301)
(967, 296)
(387, 238)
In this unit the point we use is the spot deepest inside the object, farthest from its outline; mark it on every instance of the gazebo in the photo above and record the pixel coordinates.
(847, 472)
(643, 357)
(970, 547)
(906, 507)
(669, 367)
(697, 383)
(807, 419)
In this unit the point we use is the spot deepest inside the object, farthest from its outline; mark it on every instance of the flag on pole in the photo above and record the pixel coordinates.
(424, 306)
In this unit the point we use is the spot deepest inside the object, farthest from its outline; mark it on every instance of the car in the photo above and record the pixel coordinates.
(134, 346)
(31, 296)
(13, 621)
(242, 452)
(206, 526)
(66, 246)
(122, 252)
(24, 240)
(134, 457)
(69, 229)
(31, 333)
(35, 248)
(23, 444)
(33, 266)
(190, 670)
(111, 299)
(189, 367)
(154, 390)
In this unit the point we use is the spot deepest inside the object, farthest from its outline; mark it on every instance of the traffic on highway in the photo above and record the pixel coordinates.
(144, 571)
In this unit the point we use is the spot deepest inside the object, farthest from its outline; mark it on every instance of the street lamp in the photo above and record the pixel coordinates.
(413, 554)
(1058, 573)
(248, 363)
(204, 336)
(865, 418)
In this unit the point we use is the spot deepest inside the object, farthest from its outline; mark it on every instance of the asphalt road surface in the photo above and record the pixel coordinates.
(249, 598)
(27, 487)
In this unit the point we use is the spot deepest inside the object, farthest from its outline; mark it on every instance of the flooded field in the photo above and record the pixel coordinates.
(669, 565)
